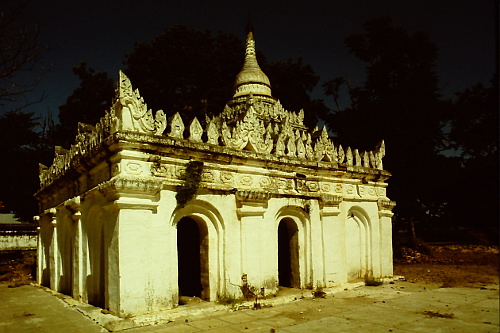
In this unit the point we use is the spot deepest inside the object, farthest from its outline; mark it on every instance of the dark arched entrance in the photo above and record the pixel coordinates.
(288, 254)
(192, 255)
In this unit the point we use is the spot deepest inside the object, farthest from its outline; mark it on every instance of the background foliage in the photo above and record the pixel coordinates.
(443, 152)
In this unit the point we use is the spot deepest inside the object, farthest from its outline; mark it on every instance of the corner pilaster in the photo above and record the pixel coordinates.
(131, 208)
(385, 213)
(53, 250)
(78, 282)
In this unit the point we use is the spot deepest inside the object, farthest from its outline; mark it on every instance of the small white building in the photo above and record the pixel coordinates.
(132, 218)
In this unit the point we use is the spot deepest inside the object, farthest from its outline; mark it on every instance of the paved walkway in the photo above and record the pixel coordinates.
(398, 307)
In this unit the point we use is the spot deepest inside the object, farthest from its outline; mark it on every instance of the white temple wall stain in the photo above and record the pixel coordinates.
(277, 204)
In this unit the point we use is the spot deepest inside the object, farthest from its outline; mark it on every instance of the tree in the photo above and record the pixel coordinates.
(292, 82)
(474, 135)
(475, 122)
(19, 144)
(20, 57)
(399, 102)
(187, 71)
(86, 105)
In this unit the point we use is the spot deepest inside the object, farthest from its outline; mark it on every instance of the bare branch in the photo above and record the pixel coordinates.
(20, 58)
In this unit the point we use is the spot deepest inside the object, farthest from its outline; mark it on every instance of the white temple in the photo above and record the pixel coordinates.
(134, 215)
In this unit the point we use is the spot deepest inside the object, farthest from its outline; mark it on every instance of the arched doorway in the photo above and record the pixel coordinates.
(356, 235)
(288, 254)
(192, 256)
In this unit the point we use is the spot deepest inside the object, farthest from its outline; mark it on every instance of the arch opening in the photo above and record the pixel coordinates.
(192, 258)
(288, 254)
(357, 245)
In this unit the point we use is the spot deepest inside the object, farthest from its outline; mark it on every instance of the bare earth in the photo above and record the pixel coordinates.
(432, 299)
(468, 266)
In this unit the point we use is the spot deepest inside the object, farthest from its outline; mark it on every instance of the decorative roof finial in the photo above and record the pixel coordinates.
(249, 25)
(251, 79)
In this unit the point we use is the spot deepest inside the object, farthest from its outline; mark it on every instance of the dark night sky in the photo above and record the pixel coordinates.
(101, 32)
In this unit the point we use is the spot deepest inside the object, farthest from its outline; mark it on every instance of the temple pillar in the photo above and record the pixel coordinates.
(78, 273)
(333, 238)
(53, 252)
(39, 251)
(317, 273)
(251, 208)
(130, 287)
(385, 217)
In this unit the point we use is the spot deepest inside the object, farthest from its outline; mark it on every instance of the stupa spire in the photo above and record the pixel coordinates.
(251, 79)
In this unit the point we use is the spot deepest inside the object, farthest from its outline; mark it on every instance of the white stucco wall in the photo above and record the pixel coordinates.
(18, 242)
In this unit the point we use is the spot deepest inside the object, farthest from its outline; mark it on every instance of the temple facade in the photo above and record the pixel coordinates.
(141, 209)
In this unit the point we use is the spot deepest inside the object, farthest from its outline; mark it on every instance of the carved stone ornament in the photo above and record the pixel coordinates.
(213, 133)
(357, 158)
(324, 148)
(379, 154)
(250, 195)
(258, 124)
(176, 127)
(349, 158)
(340, 154)
(134, 111)
(195, 131)
(145, 186)
(331, 200)
(385, 204)
(366, 160)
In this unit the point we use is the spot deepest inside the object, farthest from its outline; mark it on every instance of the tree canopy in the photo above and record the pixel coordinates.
(399, 102)
(474, 135)
(22, 147)
(86, 105)
(187, 71)
(438, 150)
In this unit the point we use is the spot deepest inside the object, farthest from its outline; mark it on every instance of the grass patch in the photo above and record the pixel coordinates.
(228, 300)
(319, 293)
(372, 282)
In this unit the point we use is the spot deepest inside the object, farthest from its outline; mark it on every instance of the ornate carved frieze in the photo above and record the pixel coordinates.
(312, 186)
(245, 181)
(208, 176)
(259, 124)
(265, 182)
(142, 185)
(250, 195)
(133, 168)
(226, 177)
(331, 200)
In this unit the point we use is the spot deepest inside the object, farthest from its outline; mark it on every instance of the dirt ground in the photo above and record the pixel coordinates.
(18, 266)
(445, 265)
(470, 266)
